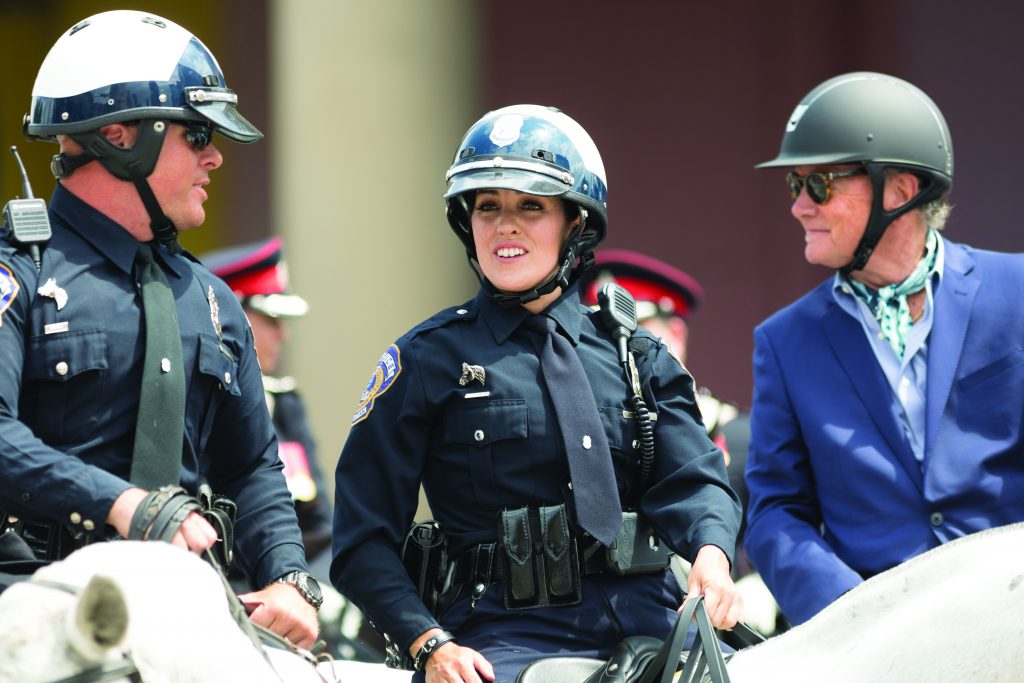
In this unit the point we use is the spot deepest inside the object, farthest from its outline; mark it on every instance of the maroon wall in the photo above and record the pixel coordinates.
(683, 98)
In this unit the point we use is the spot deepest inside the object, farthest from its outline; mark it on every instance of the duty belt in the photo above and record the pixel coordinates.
(49, 541)
(480, 565)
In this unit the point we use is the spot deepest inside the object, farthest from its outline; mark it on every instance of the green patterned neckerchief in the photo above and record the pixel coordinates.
(889, 304)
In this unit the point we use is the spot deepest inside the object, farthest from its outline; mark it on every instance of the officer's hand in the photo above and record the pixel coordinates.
(710, 577)
(195, 533)
(282, 609)
(452, 663)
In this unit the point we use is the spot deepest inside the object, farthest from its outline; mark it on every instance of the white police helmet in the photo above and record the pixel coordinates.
(126, 65)
(536, 150)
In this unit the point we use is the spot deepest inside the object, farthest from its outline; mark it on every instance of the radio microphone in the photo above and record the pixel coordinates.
(617, 315)
(26, 220)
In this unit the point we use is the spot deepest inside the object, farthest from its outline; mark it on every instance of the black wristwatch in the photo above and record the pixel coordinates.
(306, 585)
(430, 647)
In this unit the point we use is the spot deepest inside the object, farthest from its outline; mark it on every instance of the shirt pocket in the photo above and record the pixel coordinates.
(482, 424)
(214, 382)
(217, 364)
(65, 373)
(471, 433)
(624, 434)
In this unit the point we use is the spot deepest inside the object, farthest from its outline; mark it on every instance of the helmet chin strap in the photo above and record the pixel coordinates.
(134, 164)
(563, 276)
(880, 219)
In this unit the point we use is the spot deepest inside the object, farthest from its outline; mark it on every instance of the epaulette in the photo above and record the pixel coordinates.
(279, 385)
(466, 311)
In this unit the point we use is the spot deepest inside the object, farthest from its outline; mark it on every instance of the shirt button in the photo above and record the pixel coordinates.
(586, 441)
(478, 435)
(26, 496)
(936, 519)
(11, 519)
(165, 365)
(881, 336)
(61, 368)
(462, 311)
(76, 518)
(88, 525)
(227, 378)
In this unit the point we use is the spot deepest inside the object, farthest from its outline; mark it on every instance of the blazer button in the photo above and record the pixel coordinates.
(937, 519)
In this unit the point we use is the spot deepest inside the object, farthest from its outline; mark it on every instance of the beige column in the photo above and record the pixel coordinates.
(369, 99)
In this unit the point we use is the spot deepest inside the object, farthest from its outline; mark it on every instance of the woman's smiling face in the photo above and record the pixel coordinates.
(518, 237)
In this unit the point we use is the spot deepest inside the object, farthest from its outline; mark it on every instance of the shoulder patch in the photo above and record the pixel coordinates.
(388, 368)
(8, 290)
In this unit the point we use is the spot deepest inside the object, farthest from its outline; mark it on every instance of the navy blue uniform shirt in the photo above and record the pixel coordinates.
(484, 447)
(70, 371)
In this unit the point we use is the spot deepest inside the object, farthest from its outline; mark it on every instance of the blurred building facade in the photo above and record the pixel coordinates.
(363, 103)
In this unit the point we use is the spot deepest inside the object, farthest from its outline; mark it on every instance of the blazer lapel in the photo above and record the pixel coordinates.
(846, 336)
(953, 301)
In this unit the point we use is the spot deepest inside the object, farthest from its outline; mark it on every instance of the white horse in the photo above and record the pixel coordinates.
(151, 605)
(955, 613)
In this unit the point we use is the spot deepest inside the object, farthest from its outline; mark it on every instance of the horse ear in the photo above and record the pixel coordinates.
(100, 620)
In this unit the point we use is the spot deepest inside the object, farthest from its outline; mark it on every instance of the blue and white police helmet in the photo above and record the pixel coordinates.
(126, 65)
(532, 149)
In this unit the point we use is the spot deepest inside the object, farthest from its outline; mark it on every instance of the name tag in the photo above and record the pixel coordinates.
(54, 328)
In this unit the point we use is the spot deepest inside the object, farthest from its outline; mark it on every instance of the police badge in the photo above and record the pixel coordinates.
(215, 313)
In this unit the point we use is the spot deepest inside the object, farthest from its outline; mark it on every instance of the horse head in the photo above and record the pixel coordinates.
(50, 631)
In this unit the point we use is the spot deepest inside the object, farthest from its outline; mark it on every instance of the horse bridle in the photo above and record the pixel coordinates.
(108, 671)
(157, 518)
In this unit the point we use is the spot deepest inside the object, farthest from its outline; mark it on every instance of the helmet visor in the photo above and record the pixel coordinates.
(518, 180)
(218, 106)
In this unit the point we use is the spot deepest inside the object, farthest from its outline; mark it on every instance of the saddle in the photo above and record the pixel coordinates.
(642, 659)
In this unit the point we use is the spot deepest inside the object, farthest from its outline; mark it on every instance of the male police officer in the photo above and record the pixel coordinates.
(887, 402)
(258, 275)
(125, 367)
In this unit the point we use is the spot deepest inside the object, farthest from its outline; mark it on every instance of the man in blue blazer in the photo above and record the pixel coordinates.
(888, 401)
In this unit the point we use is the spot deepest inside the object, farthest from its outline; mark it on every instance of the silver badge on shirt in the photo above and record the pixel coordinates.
(470, 373)
(215, 313)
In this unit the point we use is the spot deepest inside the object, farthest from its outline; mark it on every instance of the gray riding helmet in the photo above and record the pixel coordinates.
(879, 121)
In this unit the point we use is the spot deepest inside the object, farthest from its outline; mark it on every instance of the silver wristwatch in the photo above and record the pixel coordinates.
(307, 586)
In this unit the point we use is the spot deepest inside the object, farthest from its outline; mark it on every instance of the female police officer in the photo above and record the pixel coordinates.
(471, 404)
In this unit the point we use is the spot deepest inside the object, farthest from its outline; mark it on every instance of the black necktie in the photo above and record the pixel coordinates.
(160, 429)
(594, 489)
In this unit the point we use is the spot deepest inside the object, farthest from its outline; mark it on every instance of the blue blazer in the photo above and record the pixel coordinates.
(836, 494)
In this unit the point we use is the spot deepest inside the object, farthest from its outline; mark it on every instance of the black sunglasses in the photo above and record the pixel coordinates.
(819, 185)
(198, 134)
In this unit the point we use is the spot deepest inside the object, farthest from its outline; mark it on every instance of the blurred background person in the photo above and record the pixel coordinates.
(666, 297)
(258, 275)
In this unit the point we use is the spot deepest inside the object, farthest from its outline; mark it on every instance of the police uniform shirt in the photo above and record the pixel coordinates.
(494, 443)
(70, 372)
